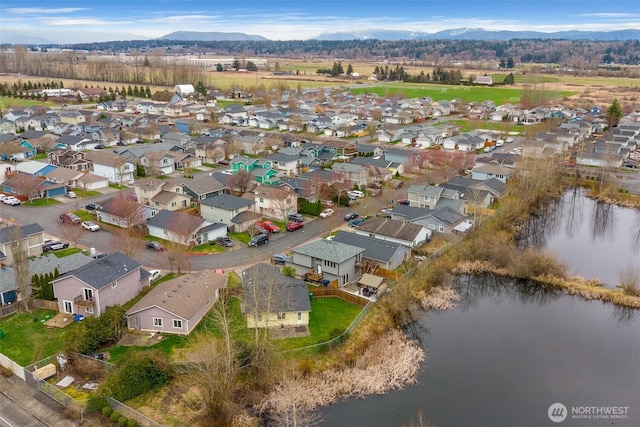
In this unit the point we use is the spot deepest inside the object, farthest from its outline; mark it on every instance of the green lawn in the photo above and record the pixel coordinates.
(86, 193)
(499, 95)
(329, 318)
(6, 102)
(41, 202)
(167, 346)
(207, 248)
(26, 341)
(85, 215)
(66, 252)
(241, 237)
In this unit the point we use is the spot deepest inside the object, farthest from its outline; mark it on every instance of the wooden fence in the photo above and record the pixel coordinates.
(8, 309)
(41, 303)
(339, 293)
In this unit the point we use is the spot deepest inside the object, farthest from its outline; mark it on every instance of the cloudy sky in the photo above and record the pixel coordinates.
(68, 21)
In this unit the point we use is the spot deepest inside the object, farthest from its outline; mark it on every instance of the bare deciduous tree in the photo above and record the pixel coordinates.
(71, 232)
(20, 263)
(241, 182)
(27, 185)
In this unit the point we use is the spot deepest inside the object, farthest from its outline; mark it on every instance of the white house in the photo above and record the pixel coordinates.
(116, 168)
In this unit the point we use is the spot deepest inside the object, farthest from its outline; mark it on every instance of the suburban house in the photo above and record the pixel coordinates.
(327, 261)
(284, 163)
(70, 159)
(184, 229)
(274, 300)
(116, 168)
(445, 220)
(261, 169)
(404, 233)
(202, 188)
(89, 290)
(158, 162)
(236, 212)
(275, 202)
(122, 213)
(24, 187)
(31, 237)
(161, 194)
(383, 253)
(492, 170)
(78, 179)
(177, 305)
(354, 174)
(435, 197)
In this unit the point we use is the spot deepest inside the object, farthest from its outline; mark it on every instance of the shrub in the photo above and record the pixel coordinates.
(107, 411)
(123, 421)
(532, 263)
(95, 404)
(115, 417)
(132, 423)
(140, 373)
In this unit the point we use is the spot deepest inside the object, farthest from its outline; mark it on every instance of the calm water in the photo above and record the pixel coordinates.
(595, 240)
(508, 353)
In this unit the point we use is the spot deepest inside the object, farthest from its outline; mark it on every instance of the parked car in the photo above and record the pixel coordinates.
(508, 140)
(11, 200)
(355, 194)
(54, 245)
(93, 207)
(326, 213)
(98, 256)
(156, 246)
(279, 259)
(293, 226)
(268, 226)
(223, 162)
(70, 218)
(71, 194)
(405, 202)
(154, 275)
(90, 225)
(385, 213)
(259, 239)
(350, 215)
(224, 241)
(397, 184)
(356, 222)
(100, 147)
(295, 217)
(499, 143)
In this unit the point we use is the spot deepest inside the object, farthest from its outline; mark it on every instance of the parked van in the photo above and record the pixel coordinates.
(355, 194)
(279, 259)
(70, 218)
(258, 240)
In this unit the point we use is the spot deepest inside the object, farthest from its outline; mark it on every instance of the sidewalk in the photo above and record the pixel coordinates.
(35, 402)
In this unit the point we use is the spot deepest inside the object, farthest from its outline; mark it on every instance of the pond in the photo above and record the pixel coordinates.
(595, 240)
(509, 352)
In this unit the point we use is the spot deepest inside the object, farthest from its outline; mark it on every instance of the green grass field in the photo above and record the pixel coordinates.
(7, 102)
(27, 340)
(499, 95)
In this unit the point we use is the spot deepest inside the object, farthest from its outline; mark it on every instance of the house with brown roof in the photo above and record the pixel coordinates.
(116, 168)
(404, 233)
(74, 160)
(276, 202)
(184, 229)
(161, 194)
(78, 179)
(158, 162)
(177, 306)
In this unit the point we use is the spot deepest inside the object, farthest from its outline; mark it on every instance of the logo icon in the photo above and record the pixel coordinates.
(557, 412)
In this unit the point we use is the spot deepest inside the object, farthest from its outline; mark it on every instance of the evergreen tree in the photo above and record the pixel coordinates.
(510, 63)
(614, 113)
(219, 67)
(349, 69)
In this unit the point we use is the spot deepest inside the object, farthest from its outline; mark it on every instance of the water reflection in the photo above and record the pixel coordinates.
(595, 240)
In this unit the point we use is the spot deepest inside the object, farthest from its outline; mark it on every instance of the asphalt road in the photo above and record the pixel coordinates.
(12, 415)
(103, 241)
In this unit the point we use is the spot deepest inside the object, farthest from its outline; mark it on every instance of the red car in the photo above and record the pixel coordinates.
(293, 226)
(268, 226)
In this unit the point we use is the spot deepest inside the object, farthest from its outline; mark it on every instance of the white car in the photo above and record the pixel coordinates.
(509, 140)
(499, 143)
(326, 213)
(154, 275)
(71, 194)
(90, 225)
(11, 200)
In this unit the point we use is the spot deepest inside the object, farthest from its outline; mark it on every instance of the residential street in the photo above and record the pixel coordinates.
(103, 241)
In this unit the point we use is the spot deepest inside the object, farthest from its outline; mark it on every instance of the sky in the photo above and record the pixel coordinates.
(73, 21)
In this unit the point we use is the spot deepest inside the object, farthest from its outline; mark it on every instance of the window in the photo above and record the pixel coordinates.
(299, 315)
(68, 307)
(157, 321)
(330, 264)
(173, 204)
(177, 323)
(257, 318)
(89, 310)
(432, 226)
(441, 229)
(165, 232)
(281, 316)
(114, 284)
(261, 199)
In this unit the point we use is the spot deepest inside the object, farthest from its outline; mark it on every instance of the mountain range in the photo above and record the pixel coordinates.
(210, 36)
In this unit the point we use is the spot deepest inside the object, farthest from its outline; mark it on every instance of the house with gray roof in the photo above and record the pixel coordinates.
(386, 254)
(178, 305)
(184, 229)
(274, 300)
(104, 282)
(328, 259)
(236, 212)
(44, 264)
(202, 188)
(31, 236)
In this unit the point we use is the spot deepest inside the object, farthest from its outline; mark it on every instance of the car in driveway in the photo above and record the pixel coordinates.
(350, 215)
(70, 218)
(279, 259)
(356, 222)
(156, 246)
(71, 194)
(93, 207)
(295, 217)
(224, 241)
(257, 240)
(326, 213)
(90, 225)
(293, 226)
(268, 226)
(154, 275)
(54, 245)
(11, 200)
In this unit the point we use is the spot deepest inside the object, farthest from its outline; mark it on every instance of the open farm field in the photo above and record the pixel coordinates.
(498, 95)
